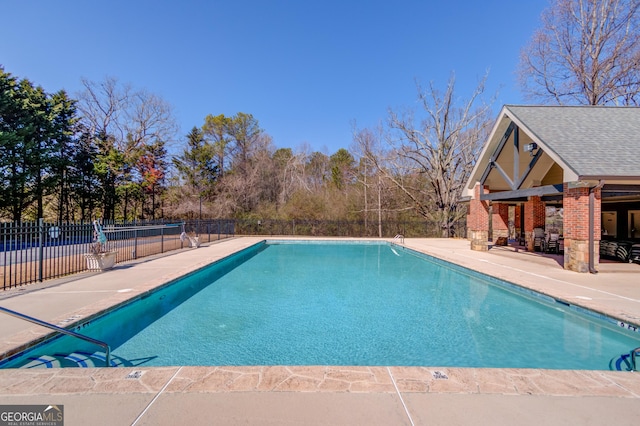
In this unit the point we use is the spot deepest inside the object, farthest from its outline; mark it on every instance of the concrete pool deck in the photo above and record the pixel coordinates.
(323, 395)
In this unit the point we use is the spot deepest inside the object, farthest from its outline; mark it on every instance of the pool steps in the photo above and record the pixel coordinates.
(74, 359)
(107, 359)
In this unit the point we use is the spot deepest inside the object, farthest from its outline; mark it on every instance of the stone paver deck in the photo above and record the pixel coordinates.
(323, 394)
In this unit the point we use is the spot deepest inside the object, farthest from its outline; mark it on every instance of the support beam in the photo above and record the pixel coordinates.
(529, 192)
(629, 189)
(504, 176)
(516, 154)
(496, 153)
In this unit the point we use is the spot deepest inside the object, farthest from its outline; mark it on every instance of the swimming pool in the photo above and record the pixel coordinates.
(368, 303)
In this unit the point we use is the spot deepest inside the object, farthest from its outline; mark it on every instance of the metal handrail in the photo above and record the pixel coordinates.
(114, 228)
(399, 237)
(61, 330)
(634, 354)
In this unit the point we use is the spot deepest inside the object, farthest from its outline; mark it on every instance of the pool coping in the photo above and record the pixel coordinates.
(575, 383)
(392, 380)
(23, 341)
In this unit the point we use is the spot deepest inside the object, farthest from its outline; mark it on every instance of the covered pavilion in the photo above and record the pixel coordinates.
(584, 160)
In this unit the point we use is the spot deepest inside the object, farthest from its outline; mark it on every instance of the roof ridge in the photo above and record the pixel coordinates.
(574, 106)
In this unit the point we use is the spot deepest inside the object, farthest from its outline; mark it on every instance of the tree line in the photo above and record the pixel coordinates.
(106, 155)
(113, 151)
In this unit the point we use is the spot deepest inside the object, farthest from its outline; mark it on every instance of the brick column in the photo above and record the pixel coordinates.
(575, 203)
(534, 217)
(478, 220)
(500, 220)
(516, 219)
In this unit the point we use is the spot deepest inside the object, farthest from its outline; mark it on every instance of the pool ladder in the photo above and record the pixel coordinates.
(634, 359)
(399, 237)
(106, 347)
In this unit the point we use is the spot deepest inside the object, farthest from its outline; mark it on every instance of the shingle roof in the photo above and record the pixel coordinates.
(591, 140)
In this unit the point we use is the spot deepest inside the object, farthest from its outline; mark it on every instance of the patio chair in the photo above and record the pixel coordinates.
(623, 251)
(635, 253)
(553, 244)
(538, 239)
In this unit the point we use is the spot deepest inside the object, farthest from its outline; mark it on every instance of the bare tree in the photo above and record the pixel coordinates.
(131, 118)
(430, 159)
(124, 124)
(317, 171)
(366, 144)
(148, 119)
(216, 130)
(102, 105)
(288, 170)
(586, 52)
(243, 188)
(247, 137)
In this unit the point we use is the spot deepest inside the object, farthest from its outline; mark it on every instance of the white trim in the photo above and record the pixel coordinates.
(491, 143)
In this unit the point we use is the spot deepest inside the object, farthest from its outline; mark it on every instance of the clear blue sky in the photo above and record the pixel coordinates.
(305, 69)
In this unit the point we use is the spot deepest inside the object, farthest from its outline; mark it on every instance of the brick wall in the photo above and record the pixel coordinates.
(478, 220)
(478, 217)
(534, 217)
(534, 214)
(576, 213)
(500, 220)
(576, 228)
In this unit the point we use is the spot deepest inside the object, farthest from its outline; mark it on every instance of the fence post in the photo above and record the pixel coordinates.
(161, 240)
(40, 248)
(135, 242)
(5, 250)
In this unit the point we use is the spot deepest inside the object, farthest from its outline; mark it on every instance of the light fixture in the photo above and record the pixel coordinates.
(530, 147)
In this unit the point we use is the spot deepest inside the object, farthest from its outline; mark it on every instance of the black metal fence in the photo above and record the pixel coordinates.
(36, 251)
(415, 229)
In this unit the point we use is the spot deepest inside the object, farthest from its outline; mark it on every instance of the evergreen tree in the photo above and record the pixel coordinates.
(197, 166)
(35, 129)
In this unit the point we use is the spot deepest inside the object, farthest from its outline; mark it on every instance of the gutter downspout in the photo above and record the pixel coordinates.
(592, 198)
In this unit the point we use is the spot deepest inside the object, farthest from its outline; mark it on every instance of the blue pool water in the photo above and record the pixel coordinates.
(285, 303)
